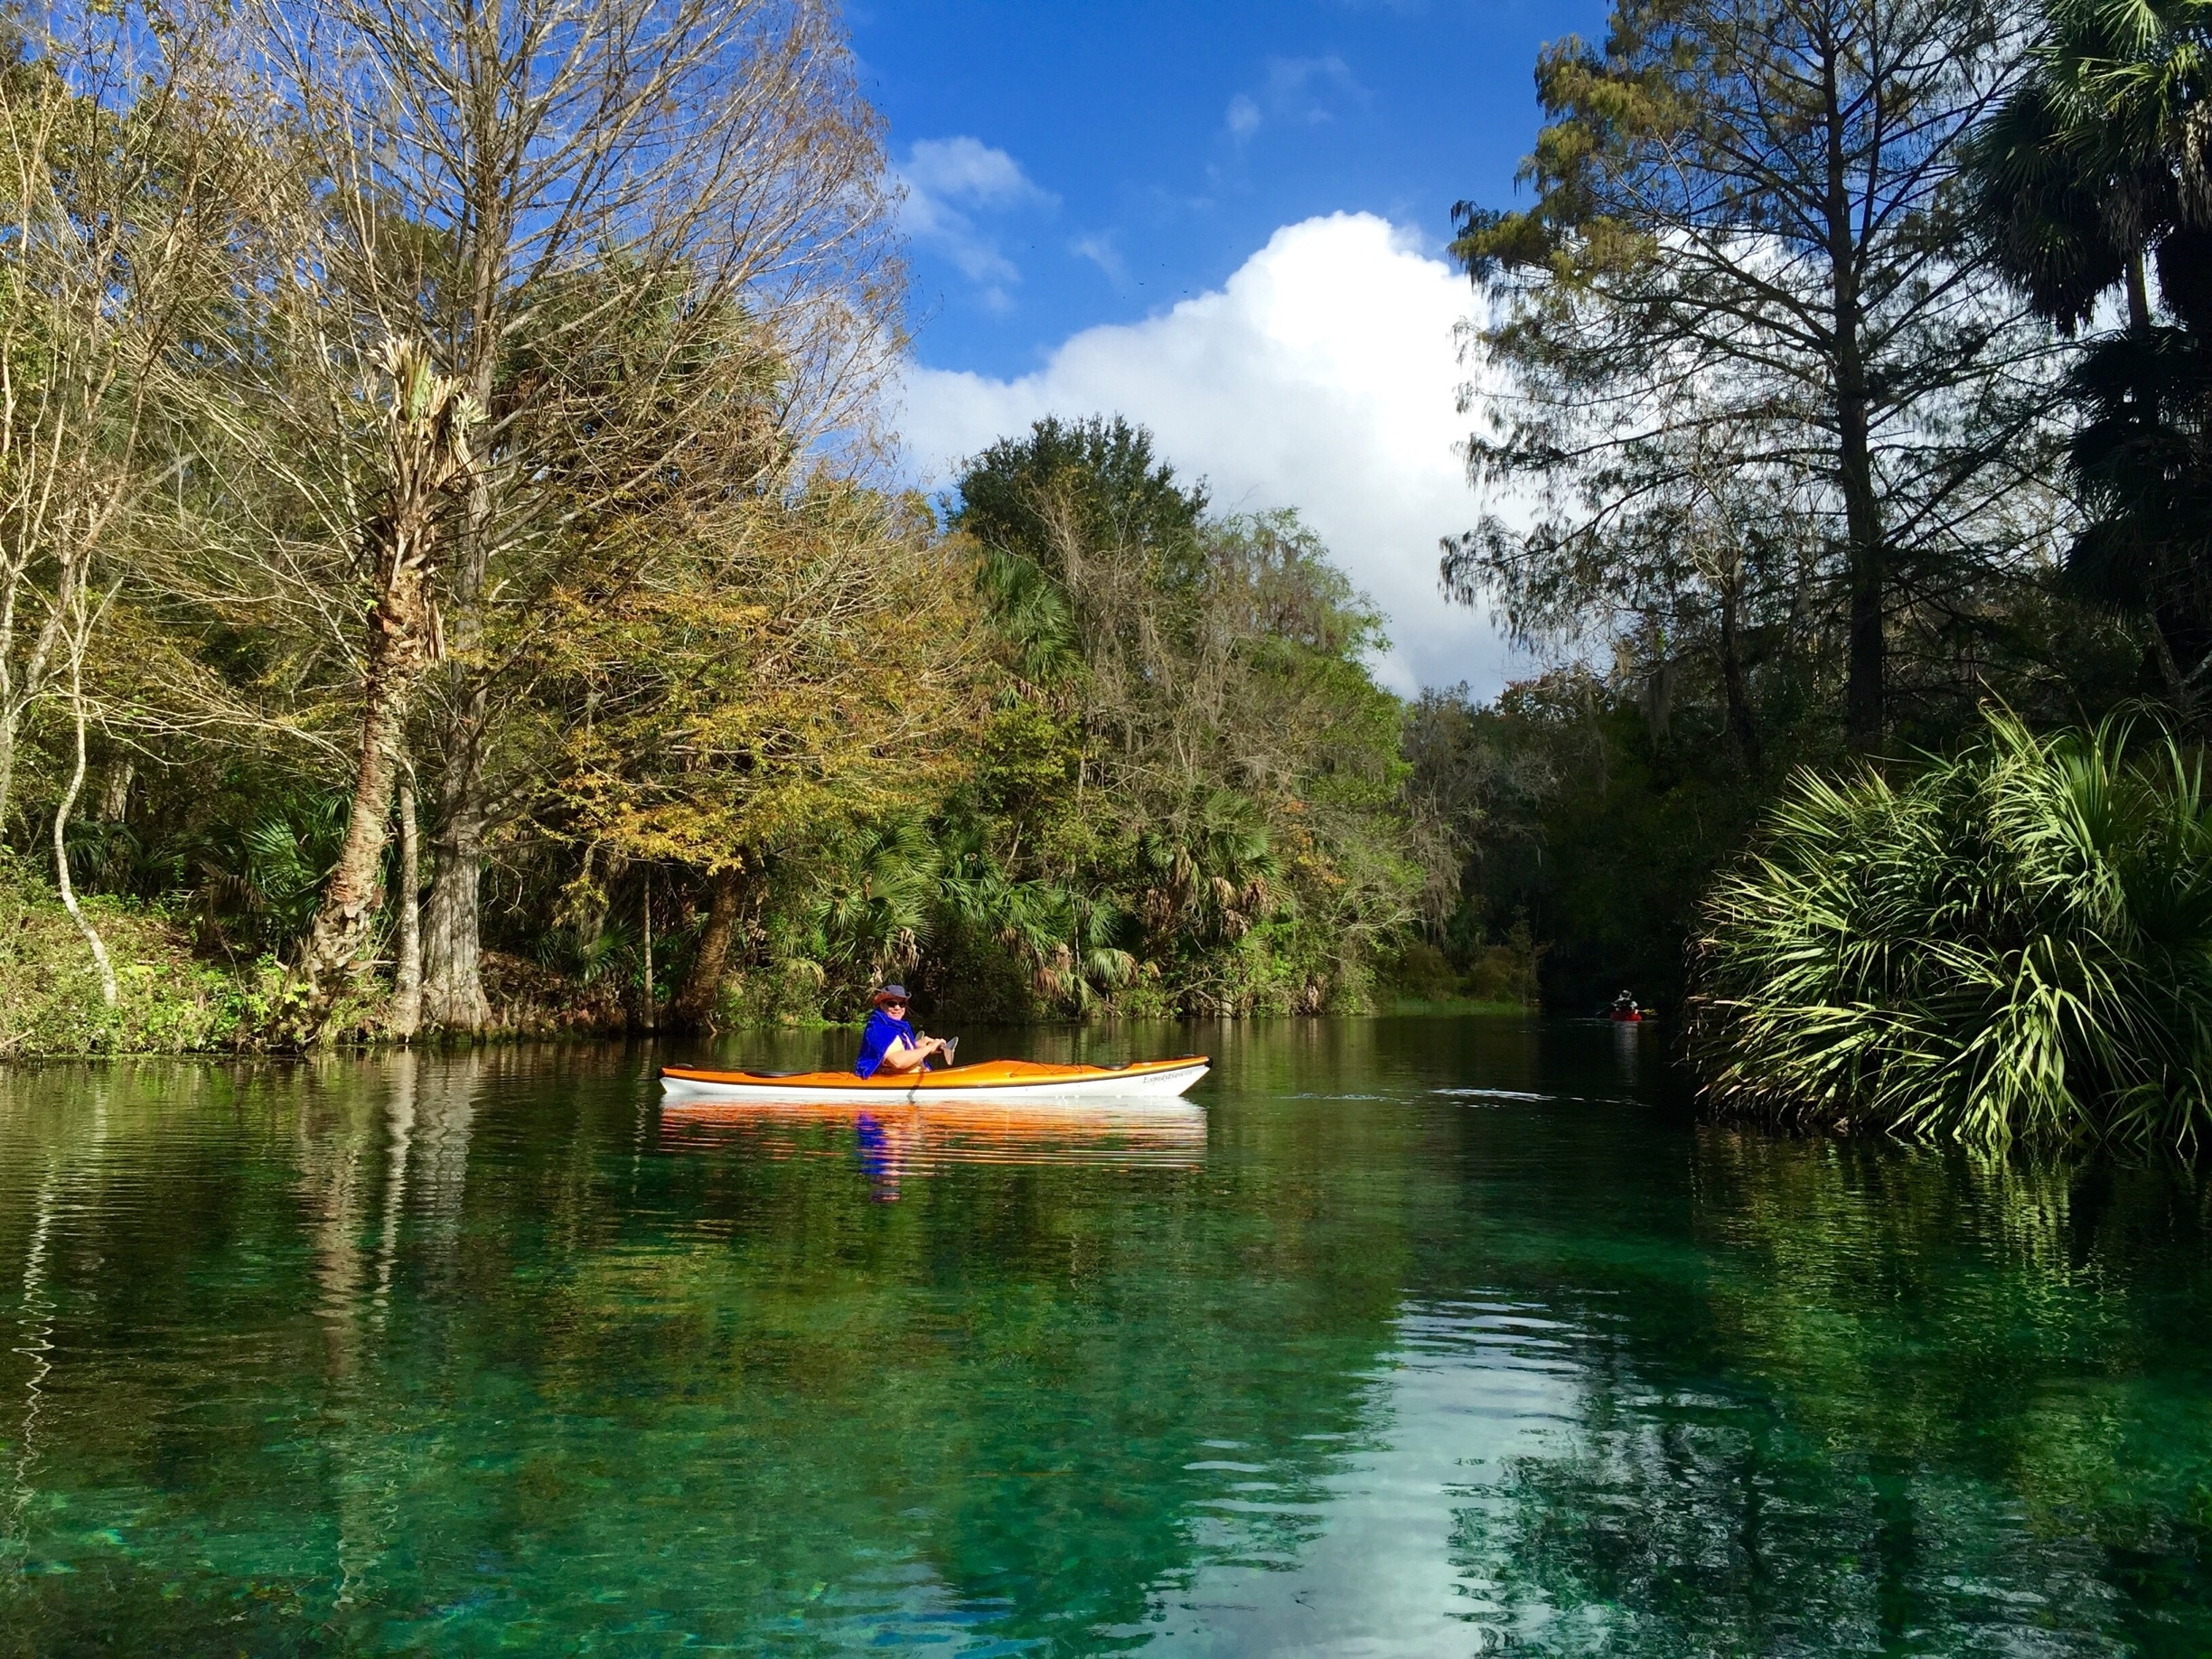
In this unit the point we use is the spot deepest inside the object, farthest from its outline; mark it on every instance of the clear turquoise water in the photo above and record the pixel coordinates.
(1417, 1336)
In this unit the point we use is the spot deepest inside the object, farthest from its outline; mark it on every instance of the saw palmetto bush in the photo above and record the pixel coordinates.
(2015, 943)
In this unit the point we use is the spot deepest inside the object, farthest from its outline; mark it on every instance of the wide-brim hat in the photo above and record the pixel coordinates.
(891, 993)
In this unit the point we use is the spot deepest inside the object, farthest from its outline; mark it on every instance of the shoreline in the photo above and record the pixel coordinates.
(174, 1001)
(503, 1037)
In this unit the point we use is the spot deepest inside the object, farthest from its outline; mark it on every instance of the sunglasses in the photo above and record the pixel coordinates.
(893, 1005)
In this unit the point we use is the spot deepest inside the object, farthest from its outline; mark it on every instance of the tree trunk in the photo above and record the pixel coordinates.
(408, 975)
(2182, 651)
(452, 956)
(1864, 713)
(428, 422)
(695, 1007)
(114, 792)
(452, 989)
(2138, 293)
(108, 992)
(1741, 726)
(7, 767)
(401, 633)
(19, 689)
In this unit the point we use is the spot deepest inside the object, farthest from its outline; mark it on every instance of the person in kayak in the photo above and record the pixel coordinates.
(888, 1044)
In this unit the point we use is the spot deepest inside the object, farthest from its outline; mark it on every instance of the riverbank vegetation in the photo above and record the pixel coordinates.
(453, 574)
(2013, 941)
(1843, 380)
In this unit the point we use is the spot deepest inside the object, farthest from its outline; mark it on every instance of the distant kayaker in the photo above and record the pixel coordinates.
(888, 1044)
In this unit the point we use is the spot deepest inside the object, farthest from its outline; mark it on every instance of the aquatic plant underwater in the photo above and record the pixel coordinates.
(2012, 942)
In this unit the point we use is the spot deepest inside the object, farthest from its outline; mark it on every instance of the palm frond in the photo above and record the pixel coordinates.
(2015, 943)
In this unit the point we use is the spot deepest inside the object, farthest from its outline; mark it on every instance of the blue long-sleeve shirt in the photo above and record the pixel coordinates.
(877, 1038)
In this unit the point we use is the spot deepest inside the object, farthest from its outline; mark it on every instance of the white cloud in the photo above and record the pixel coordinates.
(948, 181)
(970, 172)
(1322, 376)
(1298, 90)
(1101, 252)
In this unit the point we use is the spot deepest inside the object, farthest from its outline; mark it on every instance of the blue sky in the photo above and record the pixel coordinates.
(1173, 194)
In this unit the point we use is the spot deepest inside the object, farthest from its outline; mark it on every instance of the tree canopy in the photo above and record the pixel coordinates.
(1742, 365)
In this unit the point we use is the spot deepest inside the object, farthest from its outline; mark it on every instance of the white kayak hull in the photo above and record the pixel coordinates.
(1151, 1082)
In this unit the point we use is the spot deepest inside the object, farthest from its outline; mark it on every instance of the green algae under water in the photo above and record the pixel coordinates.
(1422, 1336)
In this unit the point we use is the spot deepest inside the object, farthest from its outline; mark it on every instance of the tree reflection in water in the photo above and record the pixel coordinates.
(1911, 1401)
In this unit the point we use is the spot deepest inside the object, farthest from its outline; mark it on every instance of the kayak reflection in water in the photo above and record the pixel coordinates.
(888, 1044)
(885, 1144)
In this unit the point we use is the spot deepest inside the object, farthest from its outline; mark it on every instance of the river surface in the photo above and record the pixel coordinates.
(1439, 1336)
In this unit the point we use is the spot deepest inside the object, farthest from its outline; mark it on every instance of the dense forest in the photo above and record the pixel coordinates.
(1846, 373)
(1847, 385)
(450, 582)
(451, 579)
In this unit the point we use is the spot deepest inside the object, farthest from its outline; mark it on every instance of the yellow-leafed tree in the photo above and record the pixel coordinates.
(748, 684)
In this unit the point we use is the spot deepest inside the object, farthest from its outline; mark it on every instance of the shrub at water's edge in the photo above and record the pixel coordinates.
(166, 1002)
(172, 999)
(2016, 943)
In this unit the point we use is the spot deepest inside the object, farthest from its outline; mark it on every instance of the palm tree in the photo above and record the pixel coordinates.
(873, 911)
(2102, 159)
(2098, 167)
(2016, 942)
(1061, 932)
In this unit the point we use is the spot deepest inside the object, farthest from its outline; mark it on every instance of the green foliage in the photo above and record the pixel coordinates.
(2013, 942)
(237, 848)
(2140, 462)
(1504, 975)
(2096, 171)
(2098, 156)
(1574, 822)
(872, 910)
(1071, 485)
(1423, 974)
(1189, 797)
(1509, 972)
(1030, 760)
(171, 1003)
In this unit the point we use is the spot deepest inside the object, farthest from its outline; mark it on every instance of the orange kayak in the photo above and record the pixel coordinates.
(1009, 1081)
